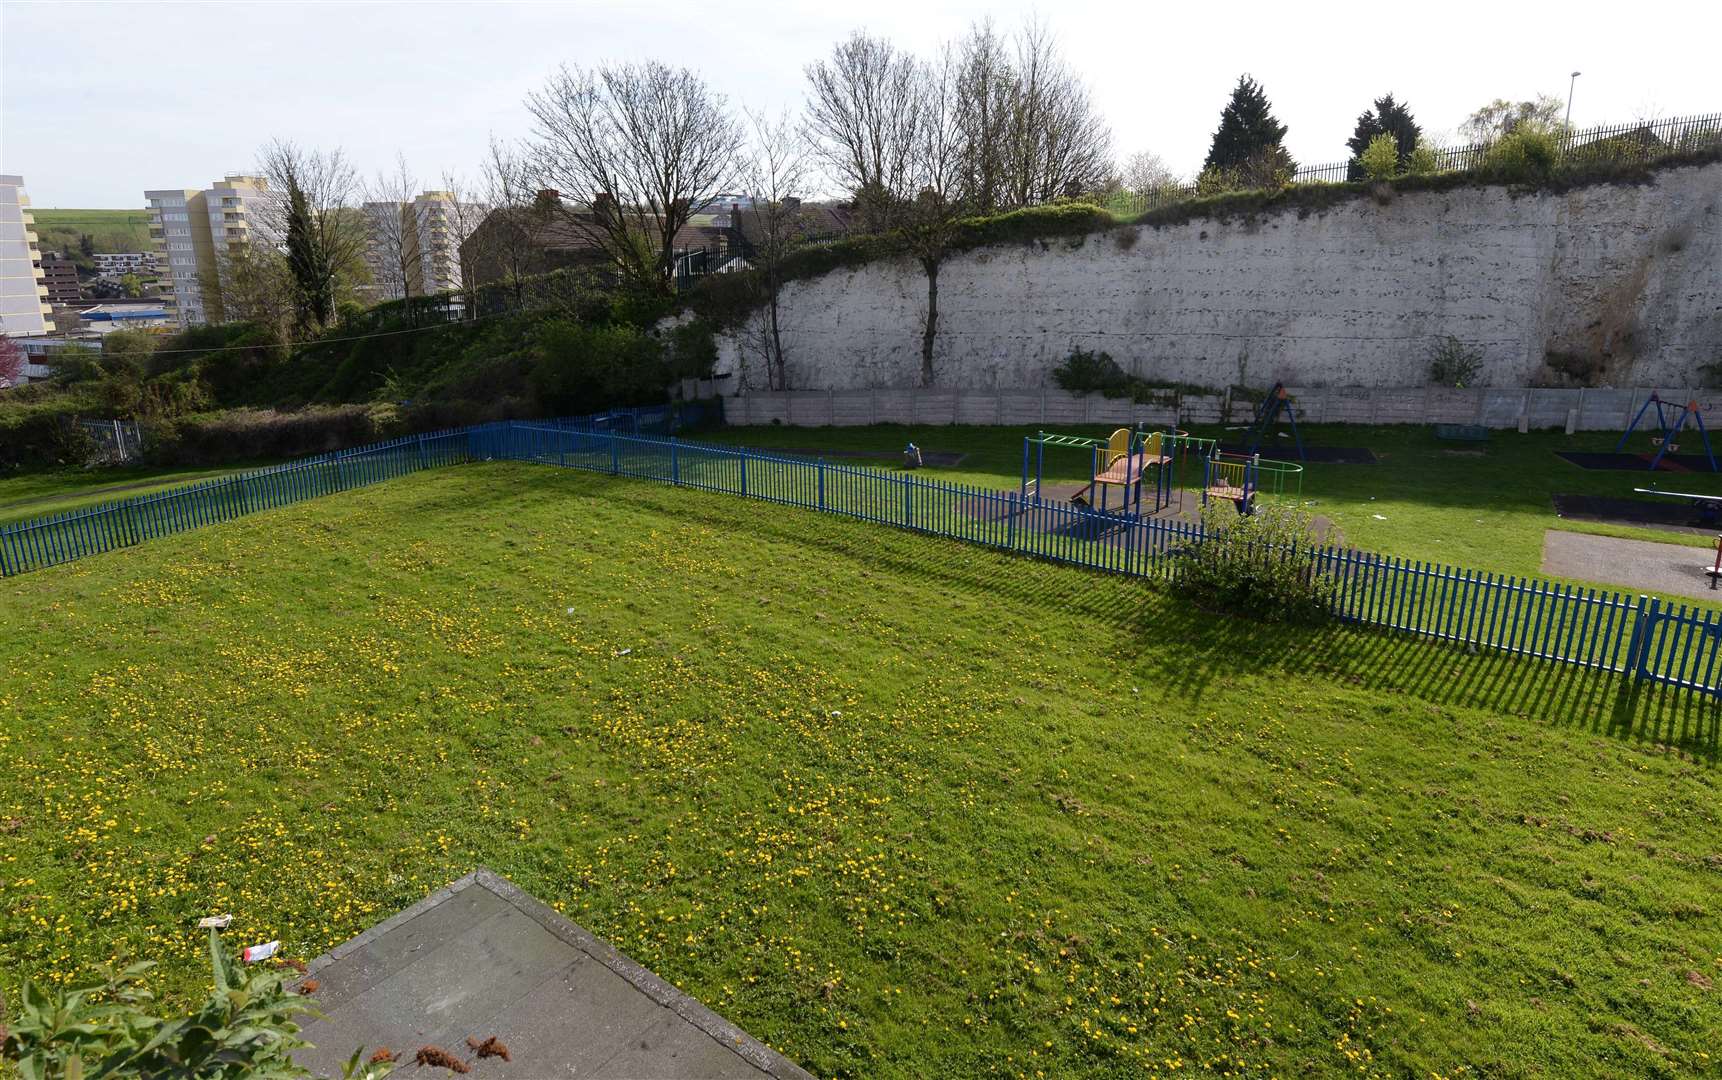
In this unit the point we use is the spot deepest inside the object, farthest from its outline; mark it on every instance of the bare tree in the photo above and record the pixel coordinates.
(863, 112)
(987, 99)
(466, 211)
(649, 145)
(941, 200)
(1060, 145)
(257, 286)
(506, 245)
(775, 174)
(1145, 172)
(313, 218)
(393, 246)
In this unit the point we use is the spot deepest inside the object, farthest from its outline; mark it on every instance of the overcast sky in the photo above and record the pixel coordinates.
(102, 101)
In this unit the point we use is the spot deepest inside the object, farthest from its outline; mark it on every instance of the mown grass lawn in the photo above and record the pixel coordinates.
(26, 496)
(1481, 506)
(899, 806)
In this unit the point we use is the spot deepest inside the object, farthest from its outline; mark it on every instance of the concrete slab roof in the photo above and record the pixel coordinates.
(482, 959)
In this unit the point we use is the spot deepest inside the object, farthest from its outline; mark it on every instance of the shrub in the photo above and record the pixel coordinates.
(1256, 566)
(1380, 159)
(1085, 372)
(1526, 155)
(584, 369)
(1455, 364)
(1424, 160)
(248, 1026)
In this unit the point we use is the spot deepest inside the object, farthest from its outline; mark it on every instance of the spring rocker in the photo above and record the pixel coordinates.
(1669, 422)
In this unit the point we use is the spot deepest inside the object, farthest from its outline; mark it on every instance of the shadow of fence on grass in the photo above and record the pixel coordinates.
(1191, 650)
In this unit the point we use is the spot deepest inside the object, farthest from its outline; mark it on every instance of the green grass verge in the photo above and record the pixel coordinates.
(32, 495)
(897, 805)
(1480, 506)
(108, 230)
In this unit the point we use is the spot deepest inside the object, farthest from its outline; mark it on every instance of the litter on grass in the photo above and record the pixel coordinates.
(260, 952)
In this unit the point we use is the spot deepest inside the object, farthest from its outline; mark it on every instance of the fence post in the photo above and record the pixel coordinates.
(1647, 621)
(675, 467)
(821, 483)
(1634, 644)
(5, 566)
(744, 472)
(615, 456)
(422, 451)
(244, 503)
(131, 526)
(1010, 521)
(908, 518)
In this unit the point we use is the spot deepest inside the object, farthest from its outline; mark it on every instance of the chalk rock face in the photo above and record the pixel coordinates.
(1615, 284)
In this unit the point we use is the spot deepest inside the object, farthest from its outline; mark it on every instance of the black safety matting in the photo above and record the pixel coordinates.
(1586, 459)
(1673, 514)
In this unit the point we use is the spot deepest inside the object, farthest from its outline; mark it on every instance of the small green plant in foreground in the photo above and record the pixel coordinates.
(1454, 363)
(245, 1028)
(1257, 565)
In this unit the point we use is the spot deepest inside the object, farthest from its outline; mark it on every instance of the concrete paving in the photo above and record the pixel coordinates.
(481, 958)
(1636, 565)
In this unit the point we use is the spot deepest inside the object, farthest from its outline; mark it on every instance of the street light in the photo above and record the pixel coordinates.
(1570, 83)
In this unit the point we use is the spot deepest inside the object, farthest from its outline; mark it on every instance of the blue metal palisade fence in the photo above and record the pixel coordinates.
(1647, 639)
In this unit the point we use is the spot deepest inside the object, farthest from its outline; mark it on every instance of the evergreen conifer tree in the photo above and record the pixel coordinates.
(1247, 128)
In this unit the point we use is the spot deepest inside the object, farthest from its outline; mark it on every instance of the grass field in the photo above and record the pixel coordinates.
(32, 495)
(1482, 506)
(899, 806)
(109, 230)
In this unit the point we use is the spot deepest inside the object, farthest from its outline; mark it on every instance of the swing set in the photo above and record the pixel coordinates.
(1668, 428)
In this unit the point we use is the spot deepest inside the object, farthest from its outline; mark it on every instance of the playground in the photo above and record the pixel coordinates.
(1479, 499)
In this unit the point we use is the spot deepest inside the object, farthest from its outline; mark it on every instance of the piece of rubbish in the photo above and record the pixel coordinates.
(836, 712)
(624, 652)
(1378, 517)
(309, 986)
(570, 611)
(260, 952)
(214, 922)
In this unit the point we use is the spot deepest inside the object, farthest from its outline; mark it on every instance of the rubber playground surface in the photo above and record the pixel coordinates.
(1636, 462)
(1671, 515)
(943, 459)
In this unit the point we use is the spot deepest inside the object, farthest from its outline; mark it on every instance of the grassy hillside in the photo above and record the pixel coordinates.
(899, 806)
(108, 230)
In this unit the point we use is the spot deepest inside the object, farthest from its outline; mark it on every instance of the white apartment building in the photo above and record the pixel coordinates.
(115, 264)
(23, 294)
(196, 233)
(415, 247)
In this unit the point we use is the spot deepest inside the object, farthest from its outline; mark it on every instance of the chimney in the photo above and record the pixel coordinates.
(548, 197)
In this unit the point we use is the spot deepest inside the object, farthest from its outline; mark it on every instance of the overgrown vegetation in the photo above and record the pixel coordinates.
(1257, 565)
(245, 1029)
(237, 392)
(1085, 371)
(1454, 363)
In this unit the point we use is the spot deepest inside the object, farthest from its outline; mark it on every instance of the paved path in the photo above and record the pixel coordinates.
(1638, 565)
(481, 958)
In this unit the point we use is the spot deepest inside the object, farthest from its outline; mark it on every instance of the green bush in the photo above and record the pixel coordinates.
(581, 369)
(1380, 159)
(1526, 155)
(1085, 372)
(1257, 566)
(247, 1027)
(1455, 364)
(1424, 160)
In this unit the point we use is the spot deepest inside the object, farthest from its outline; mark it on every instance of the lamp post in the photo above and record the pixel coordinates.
(1570, 83)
